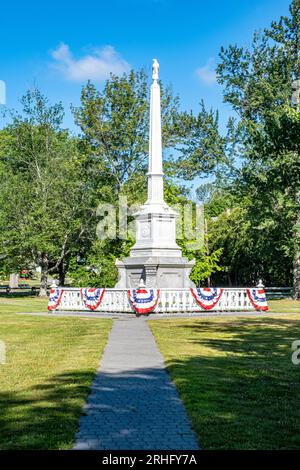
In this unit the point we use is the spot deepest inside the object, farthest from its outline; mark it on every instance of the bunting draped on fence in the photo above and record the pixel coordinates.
(55, 298)
(92, 297)
(207, 297)
(258, 298)
(143, 300)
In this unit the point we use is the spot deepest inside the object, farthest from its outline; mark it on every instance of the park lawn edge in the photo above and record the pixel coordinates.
(50, 365)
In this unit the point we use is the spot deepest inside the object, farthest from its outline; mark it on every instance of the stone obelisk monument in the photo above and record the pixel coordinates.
(155, 258)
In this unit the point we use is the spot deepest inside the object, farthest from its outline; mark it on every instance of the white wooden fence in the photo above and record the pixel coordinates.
(170, 301)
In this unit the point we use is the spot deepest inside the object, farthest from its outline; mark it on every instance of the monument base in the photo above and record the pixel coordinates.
(155, 272)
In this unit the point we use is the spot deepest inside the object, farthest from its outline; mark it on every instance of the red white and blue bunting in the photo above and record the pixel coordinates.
(258, 298)
(55, 298)
(143, 300)
(207, 297)
(92, 297)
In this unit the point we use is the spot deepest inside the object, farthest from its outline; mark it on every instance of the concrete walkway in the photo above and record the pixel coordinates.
(133, 404)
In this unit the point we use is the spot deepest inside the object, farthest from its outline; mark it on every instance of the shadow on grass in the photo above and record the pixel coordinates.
(243, 391)
(119, 404)
(45, 416)
(19, 295)
(254, 337)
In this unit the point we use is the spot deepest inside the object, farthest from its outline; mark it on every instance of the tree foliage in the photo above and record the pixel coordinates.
(44, 197)
(258, 83)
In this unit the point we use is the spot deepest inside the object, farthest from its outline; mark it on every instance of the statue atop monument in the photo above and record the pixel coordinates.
(155, 69)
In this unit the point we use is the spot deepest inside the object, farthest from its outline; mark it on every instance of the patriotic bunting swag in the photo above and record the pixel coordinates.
(207, 297)
(143, 300)
(55, 298)
(258, 299)
(92, 297)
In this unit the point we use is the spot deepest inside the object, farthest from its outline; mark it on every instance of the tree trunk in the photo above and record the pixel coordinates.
(296, 263)
(62, 273)
(44, 275)
(296, 282)
(235, 278)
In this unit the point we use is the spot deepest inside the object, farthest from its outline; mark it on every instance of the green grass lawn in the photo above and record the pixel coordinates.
(50, 364)
(236, 378)
(284, 306)
(235, 375)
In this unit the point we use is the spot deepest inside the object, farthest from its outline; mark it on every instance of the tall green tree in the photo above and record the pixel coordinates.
(258, 83)
(200, 148)
(115, 125)
(251, 249)
(45, 202)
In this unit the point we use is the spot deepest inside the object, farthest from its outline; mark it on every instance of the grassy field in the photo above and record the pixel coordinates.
(236, 378)
(235, 375)
(50, 363)
(284, 306)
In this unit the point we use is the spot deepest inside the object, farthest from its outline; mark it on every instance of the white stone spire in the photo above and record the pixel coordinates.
(155, 258)
(155, 169)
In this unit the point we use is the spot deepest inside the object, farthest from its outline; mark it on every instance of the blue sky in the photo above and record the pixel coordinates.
(58, 45)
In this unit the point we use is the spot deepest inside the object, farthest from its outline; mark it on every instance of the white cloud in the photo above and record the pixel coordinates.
(95, 66)
(207, 73)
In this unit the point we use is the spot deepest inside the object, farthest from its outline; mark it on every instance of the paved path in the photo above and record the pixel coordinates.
(133, 404)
